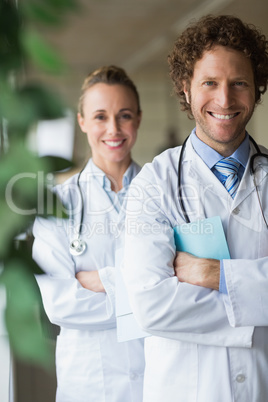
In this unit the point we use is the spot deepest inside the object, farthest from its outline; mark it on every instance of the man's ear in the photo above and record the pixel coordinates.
(186, 92)
(81, 122)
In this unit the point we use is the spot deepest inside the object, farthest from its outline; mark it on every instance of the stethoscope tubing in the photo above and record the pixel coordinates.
(78, 246)
(252, 171)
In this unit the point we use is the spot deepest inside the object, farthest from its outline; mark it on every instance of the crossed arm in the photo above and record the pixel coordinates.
(188, 268)
(197, 271)
(90, 280)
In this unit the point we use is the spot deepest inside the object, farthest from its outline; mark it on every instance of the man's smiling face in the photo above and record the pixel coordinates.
(222, 98)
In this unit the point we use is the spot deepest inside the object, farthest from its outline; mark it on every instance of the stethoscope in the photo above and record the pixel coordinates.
(78, 246)
(252, 172)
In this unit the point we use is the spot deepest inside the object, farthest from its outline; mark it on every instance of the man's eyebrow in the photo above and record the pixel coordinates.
(215, 78)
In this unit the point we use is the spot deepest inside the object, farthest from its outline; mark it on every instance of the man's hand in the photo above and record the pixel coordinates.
(90, 280)
(197, 271)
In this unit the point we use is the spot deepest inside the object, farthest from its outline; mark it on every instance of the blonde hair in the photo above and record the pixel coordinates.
(111, 75)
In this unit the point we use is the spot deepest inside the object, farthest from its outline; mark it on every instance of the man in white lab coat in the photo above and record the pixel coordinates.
(207, 317)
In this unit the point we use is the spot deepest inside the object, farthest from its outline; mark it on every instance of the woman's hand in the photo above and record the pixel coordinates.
(90, 280)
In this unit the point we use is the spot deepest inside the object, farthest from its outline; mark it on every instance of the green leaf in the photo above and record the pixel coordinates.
(45, 103)
(23, 314)
(63, 4)
(23, 178)
(41, 53)
(12, 223)
(24, 193)
(18, 164)
(40, 13)
(56, 163)
(48, 11)
(22, 251)
(25, 106)
(10, 49)
(17, 114)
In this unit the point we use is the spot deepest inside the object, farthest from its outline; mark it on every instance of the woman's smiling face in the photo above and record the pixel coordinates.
(110, 120)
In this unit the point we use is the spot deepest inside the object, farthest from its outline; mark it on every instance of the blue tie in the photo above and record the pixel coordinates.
(228, 167)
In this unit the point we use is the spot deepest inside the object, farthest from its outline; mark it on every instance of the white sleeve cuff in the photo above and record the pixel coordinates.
(107, 277)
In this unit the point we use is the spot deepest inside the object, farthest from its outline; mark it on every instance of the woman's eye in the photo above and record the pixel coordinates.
(100, 117)
(126, 116)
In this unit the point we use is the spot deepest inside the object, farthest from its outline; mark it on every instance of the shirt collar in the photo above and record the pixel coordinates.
(210, 156)
(105, 182)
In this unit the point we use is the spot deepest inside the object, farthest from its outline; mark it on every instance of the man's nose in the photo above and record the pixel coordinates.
(225, 96)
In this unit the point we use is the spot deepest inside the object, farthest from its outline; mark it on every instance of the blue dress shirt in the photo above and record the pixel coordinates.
(211, 157)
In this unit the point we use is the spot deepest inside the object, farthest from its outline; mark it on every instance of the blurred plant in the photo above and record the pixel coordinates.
(23, 189)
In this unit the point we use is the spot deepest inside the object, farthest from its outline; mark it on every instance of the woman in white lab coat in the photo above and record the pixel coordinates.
(78, 290)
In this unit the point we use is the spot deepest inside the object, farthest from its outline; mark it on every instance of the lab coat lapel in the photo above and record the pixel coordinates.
(208, 182)
(246, 186)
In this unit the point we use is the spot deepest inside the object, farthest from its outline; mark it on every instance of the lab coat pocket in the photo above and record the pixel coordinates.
(171, 370)
(79, 369)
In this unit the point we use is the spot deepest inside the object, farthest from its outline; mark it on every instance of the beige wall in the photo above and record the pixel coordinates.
(259, 124)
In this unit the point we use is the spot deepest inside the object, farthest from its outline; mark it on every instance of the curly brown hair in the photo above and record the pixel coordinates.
(111, 75)
(203, 35)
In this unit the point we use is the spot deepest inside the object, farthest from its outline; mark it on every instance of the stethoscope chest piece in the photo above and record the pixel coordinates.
(77, 247)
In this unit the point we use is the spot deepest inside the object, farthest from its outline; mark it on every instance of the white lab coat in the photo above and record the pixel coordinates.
(205, 346)
(91, 365)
